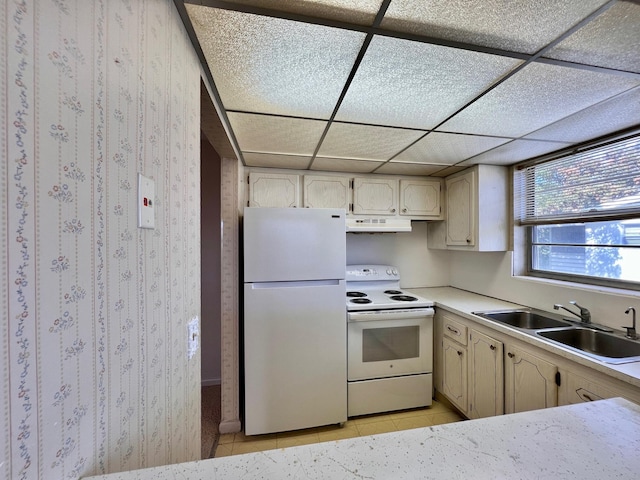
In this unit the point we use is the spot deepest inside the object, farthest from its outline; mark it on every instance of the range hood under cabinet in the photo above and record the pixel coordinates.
(373, 225)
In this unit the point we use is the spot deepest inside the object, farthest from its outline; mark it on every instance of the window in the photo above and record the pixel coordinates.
(582, 212)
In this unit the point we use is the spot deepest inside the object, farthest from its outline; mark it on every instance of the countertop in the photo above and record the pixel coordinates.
(463, 303)
(593, 440)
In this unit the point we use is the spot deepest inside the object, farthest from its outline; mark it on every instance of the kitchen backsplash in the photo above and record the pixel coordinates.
(490, 273)
(95, 376)
(419, 266)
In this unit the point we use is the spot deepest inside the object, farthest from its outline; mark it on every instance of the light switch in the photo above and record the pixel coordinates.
(146, 196)
(193, 329)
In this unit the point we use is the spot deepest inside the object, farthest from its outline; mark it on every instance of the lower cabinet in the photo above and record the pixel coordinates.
(472, 372)
(483, 372)
(486, 385)
(577, 389)
(529, 381)
(482, 376)
(454, 373)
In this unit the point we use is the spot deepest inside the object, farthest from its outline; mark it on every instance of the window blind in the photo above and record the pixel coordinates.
(592, 185)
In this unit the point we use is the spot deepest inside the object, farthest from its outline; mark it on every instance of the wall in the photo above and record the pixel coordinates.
(418, 265)
(94, 369)
(231, 192)
(211, 250)
(490, 274)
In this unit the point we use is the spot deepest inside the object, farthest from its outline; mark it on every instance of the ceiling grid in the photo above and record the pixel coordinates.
(416, 87)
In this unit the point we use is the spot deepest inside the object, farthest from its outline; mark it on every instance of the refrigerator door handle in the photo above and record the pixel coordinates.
(312, 283)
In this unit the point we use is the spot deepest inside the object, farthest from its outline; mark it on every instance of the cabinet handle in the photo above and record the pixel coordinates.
(468, 240)
(453, 330)
(587, 397)
(404, 210)
(459, 353)
(393, 210)
(492, 347)
(510, 355)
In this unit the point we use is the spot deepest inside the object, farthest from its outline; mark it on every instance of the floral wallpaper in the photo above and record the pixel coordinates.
(94, 365)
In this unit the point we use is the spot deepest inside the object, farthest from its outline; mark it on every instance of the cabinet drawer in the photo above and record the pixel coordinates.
(577, 389)
(454, 329)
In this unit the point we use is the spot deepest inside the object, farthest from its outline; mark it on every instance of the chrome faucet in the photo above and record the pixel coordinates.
(631, 331)
(584, 315)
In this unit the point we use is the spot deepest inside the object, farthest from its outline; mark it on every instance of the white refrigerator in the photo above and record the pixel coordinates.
(295, 364)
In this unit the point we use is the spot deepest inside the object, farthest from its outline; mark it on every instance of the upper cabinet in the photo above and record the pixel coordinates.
(274, 190)
(373, 196)
(461, 216)
(477, 211)
(421, 198)
(418, 198)
(326, 192)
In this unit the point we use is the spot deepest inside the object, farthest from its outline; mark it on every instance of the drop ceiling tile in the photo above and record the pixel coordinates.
(514, 26)
(448, 148)
(269, 134)
(361, 12)
(612, 40)
(416, 85)
(269, 65)
(275, 161)
(515, 152)
(617, 113)
(401, 168)
(344, 165)
(534, 97)
(366, 142)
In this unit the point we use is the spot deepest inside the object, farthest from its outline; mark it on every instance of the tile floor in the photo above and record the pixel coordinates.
(210, 398)
(437, 414)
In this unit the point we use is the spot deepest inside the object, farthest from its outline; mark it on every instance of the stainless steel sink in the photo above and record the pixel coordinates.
(524, 319)
(604, 346)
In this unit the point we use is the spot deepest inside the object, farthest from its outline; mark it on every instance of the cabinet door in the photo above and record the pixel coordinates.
(372, 196)
(461, 209)
(273, 190)
(486, 380)
(420, 198)
(326, 192)
(454, 373)
(530, 382)
(576, 389)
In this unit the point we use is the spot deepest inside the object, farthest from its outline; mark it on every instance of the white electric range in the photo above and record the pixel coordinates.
(389, 342)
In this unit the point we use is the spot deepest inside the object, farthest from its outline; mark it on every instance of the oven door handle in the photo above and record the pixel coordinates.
(378, 315)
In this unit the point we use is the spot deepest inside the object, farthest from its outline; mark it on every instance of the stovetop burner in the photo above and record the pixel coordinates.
(403, 298)
(357, 294)
(377, 287)
(360, 300)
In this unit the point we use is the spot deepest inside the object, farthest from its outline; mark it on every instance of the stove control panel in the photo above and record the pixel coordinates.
(368, 273)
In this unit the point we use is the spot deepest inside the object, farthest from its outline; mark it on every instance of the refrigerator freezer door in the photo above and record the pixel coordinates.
(295, 356)
(289, 244)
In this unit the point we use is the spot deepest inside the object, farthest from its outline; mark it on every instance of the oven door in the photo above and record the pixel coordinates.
(389, 343)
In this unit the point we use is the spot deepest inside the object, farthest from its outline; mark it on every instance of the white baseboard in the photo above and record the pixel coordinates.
(231, 426)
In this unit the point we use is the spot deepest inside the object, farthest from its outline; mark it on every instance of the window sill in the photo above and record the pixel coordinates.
(579, 286)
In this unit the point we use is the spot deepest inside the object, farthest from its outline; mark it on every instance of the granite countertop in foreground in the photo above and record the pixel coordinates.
(593, 440)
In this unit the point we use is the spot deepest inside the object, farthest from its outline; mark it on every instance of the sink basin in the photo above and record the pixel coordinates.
(523, 319)
(609, 348)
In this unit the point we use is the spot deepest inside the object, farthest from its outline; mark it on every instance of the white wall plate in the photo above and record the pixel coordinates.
(146, 200)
